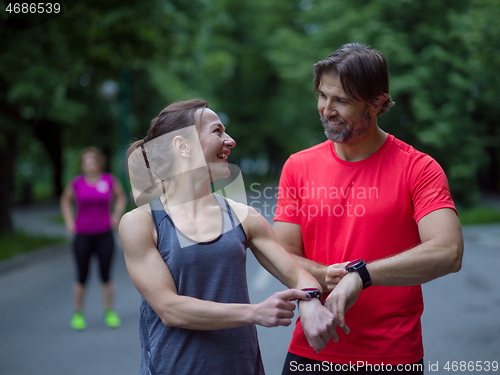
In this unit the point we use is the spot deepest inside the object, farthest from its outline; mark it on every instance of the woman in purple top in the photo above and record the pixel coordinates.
(94, 193)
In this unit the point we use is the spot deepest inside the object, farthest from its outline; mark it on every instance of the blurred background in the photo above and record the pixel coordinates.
(97, 72)
(94, 73)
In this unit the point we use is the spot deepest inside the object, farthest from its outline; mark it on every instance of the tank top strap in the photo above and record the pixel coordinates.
(230, 217)
(157, 211)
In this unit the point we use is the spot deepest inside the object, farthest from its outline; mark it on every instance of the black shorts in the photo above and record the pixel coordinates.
(100, 245)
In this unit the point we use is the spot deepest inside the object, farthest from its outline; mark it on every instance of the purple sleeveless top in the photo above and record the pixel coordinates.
(93, 204)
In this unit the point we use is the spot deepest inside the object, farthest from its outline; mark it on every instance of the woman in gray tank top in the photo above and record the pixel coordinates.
(185, 250)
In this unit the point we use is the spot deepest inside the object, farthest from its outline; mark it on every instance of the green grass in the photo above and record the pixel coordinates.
(479, 215)
(19, 242)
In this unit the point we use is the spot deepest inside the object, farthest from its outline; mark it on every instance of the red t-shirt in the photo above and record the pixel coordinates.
(367, 209)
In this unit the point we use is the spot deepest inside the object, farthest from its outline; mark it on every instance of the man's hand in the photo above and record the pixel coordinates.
(342, 298)
(318, 323)
(334, 274)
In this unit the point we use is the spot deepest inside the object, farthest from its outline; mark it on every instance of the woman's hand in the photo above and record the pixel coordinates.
(277, 310)
(70, 227)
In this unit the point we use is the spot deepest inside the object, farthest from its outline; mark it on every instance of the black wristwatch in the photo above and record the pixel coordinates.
(313, 292)
(359, 266)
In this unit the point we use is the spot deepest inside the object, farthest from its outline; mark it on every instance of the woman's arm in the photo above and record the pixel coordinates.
(268, 251)
(66, 201)
(317, 321)
(153, 280)
(120, 202)
(289, 236)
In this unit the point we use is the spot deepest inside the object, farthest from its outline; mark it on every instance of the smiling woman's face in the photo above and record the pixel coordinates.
(215, 143)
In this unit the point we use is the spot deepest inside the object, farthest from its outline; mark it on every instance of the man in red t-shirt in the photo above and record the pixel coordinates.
(364, 208)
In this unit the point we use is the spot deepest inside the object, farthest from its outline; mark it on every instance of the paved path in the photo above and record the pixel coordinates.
(461, 321)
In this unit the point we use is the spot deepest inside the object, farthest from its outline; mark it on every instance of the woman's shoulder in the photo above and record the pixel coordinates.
(138, 217)
(137, 231)
(247, 215)
(107, 176)
(77, 178)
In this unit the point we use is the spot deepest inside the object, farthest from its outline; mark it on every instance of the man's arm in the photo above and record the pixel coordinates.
(439, 254)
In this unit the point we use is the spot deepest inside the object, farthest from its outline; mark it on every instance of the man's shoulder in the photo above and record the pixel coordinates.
(312, 152)
(403, 148)
(407, 157)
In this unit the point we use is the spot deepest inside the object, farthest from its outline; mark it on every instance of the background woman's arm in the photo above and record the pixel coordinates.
(66, 201)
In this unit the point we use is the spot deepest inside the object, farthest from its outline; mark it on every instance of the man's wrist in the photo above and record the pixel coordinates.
(356, 279)
(359, 266)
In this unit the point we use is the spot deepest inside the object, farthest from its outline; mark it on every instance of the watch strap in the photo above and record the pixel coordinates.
(365, 276)
(359, 266)
(313, 293)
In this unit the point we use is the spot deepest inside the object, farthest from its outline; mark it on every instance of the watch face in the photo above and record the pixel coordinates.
(355, 265)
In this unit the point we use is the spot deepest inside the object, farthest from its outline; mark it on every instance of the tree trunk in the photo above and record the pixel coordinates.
(7, 157)
(50, 135)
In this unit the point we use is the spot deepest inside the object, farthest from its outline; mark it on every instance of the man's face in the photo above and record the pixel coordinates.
(344, 120)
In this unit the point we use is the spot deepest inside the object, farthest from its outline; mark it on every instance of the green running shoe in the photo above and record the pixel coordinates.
(112, 319)
(78, 322)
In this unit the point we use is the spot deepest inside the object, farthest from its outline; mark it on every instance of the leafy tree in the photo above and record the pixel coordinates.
(98, 74)
(479, 31)
(52, 74)
(424, 44)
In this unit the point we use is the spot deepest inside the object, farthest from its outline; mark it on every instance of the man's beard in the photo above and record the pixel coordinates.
(349, 133)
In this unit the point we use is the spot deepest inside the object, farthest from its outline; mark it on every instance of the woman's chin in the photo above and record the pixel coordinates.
(219, 170)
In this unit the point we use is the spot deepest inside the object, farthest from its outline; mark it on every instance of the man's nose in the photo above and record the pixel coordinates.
(329, 110)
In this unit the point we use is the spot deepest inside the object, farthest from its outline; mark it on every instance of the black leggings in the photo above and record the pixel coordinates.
(86, 245)
(295, 364)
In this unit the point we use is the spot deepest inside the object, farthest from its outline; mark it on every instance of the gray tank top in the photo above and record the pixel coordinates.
(215, 271)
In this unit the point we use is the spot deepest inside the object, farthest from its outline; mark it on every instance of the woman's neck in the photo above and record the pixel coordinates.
(189, 192)
(92, 177)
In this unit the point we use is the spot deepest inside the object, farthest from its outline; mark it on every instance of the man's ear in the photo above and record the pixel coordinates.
(181, 146)
(378, 103)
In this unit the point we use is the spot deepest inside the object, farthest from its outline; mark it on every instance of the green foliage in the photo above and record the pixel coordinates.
(253, 61)
(18, 243)
(479, 215)
(431, 49)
